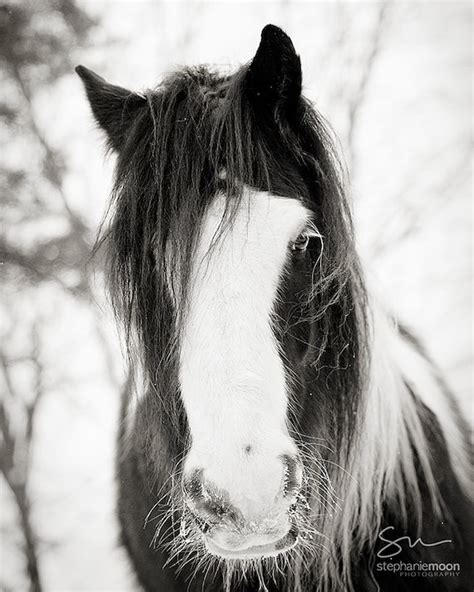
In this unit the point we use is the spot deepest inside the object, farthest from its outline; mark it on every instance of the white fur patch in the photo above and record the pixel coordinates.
(231, 374)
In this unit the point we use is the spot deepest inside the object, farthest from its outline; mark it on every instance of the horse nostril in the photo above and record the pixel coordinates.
(292, 475)
(208, 504)
(203, 526)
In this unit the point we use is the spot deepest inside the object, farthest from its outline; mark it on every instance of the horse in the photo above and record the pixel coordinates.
(279, 431)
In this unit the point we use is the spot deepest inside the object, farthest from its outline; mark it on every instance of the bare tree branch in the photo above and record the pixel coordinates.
(357, 100)
(415, 217)
(51, 165)
(15, 454)
(13, 257)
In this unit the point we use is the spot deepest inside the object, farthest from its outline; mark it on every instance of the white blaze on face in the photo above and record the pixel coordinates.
(232, 377)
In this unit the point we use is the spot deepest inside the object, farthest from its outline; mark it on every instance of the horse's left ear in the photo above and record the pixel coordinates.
(273, 78)
(114, 108)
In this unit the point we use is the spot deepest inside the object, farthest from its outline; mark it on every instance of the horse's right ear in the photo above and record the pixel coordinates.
(114, 107)
(273, 78)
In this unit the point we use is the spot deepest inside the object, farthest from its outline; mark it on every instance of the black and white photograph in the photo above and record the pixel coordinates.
(236, 306)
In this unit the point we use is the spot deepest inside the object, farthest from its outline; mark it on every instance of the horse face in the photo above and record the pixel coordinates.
(242, 473)
(241, 337)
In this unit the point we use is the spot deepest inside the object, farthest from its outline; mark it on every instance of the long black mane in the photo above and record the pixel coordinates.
(199, 133)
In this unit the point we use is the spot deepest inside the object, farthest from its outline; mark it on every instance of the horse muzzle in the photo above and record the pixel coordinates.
(253, 545)
(240, 527)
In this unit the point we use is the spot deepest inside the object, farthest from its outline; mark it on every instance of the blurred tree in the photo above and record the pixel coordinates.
(36, 43)
(44, 243)
(16, 448)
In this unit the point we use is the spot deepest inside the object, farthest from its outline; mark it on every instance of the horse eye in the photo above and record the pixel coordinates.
(300, 243)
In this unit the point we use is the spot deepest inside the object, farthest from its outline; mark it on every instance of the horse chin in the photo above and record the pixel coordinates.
(256, 552)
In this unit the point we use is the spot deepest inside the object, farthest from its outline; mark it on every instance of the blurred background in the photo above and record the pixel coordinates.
(394, 80)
